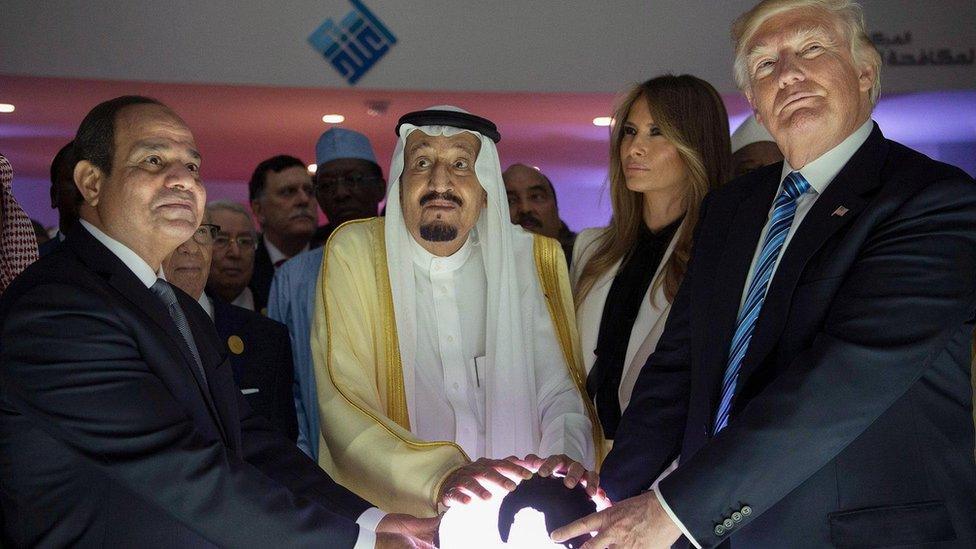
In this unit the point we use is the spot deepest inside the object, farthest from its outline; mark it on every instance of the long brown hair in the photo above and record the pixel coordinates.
(690, 114)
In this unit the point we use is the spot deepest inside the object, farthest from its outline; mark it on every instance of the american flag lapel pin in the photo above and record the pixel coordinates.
(840, 211)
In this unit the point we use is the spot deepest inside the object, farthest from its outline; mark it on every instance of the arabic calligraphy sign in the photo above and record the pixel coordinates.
(893, 52)
(355, 44)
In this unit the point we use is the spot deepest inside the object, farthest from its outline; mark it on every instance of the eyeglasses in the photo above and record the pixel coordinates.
(205, 234)
(244, 241)
(328, 183)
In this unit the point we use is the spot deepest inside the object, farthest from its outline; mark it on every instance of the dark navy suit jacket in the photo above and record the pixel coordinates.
(851, 424)
(261, 277)
(263, 368)
(109, 437)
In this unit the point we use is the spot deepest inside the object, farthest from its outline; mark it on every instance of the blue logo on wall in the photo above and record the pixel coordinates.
(355, 44)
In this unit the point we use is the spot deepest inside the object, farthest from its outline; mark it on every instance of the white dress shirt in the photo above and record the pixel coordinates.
(245, 299)
(277, 255)
(819, 174)
(451, 313)
(136, 264)
(371, 517)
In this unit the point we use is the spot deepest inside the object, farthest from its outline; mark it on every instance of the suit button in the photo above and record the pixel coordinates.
(719, 530)
(728, 524)
(737, 516)
(746, 510)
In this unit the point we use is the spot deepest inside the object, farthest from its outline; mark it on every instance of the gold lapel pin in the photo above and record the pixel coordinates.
(840, 211)
(235, 344)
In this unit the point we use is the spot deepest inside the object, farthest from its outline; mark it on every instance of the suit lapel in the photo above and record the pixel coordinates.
(212, 354)
(731, 271)
(846, 190)
(101, 260)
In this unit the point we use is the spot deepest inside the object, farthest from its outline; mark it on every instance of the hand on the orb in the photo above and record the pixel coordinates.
(636, 522)
(387, 540)
(475, 479)
(573, 471)
(419, 529)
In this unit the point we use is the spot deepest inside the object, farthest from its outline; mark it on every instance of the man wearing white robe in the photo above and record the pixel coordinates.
(445, 334)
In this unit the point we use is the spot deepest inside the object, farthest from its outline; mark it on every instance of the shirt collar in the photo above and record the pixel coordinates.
(136, 264)
(427, 261)
(245, 299)
(277, 255)
(822, 171)
(207, 305)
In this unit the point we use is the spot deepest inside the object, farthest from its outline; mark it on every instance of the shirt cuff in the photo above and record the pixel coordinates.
(366, 539)
(674, 518)
(369, 520)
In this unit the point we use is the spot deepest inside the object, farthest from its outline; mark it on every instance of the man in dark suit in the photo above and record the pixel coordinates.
(813, 374)
(121, 424)
(65, 197)
(259, 348)
(283, 201)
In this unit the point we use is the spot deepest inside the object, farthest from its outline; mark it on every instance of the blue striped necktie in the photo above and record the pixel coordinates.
(165, 293)
(778, 227)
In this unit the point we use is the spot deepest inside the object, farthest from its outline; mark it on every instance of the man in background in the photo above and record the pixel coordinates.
(233, 254)
(348, 185)
(65, 197)
(258, 347)
(532, 204)
(282, 200)
(753, 147)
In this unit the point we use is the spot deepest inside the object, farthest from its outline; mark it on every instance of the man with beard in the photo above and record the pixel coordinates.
(443, 334)
(283, 202)
(532, 204)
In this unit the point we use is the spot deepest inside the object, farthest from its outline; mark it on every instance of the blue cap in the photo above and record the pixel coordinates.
(342, 143)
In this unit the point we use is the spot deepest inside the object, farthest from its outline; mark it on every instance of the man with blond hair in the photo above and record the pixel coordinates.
(813, 374)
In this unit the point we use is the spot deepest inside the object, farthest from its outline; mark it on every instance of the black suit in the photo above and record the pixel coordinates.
(851, 420)
(262, 365)
(262, 276)
(109, 438)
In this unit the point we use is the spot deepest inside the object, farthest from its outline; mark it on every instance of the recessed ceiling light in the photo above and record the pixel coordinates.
(333, 119)
(602, 121)
(312, 168)
(6, 107)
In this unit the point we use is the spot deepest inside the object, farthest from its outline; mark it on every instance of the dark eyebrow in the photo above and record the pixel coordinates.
(539, 188)
(160, 146)
(464, 147)
(416, 146)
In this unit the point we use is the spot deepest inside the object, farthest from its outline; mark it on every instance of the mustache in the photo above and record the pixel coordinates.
(528, 219)
(169, 195)
(434, 195)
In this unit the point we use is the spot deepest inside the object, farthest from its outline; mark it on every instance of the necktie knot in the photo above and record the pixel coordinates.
(795, 185)
(164, 292)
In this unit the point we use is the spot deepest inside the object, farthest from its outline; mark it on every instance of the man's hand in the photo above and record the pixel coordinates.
(636, 522)
(477, 478)
(573, 471)
(387, 540)
(420, 529)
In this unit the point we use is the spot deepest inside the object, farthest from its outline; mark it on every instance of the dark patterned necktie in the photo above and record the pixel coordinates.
(165, 293)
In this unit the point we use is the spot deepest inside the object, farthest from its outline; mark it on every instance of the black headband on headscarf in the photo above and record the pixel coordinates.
(453, 119)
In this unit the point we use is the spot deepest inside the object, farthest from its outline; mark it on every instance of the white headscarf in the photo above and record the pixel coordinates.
(749, 132)
(512, 419)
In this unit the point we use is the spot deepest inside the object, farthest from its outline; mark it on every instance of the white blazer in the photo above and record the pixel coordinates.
(647, 327)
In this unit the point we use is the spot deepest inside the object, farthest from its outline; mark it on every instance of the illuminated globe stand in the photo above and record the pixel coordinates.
(523, 518)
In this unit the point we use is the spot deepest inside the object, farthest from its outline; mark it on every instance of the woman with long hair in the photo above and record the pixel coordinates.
(669, 146)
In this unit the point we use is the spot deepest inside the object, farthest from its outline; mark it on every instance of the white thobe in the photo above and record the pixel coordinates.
(451, 313)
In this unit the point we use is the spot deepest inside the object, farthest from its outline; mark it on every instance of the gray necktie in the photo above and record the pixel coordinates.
(165, 293)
